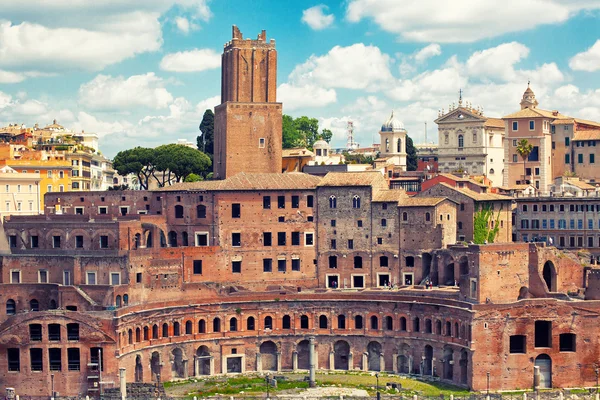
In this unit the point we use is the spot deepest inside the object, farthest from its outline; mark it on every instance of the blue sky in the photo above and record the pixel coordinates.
(142, 73)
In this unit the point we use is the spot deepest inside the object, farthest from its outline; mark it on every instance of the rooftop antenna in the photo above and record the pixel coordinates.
(460, 97)
(350, 130)
(425, 132)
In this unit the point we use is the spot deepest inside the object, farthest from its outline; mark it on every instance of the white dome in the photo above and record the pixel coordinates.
(392, 125)
(320, 144)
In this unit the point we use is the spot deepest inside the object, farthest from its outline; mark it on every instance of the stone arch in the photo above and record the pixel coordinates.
(404, 359)
(302, 348)
(463, 264)
(304, 324)
(52, 305)
(233, 324)
(448, 362)
(217, 324)
(268, 351)
(449, 277)
(250, 324)
(202, 326)
(549, 275)
(155, 365)
(341, 350)
(163, 238)
(178, 365)
(427, 361)
(148, 238)
(286, 322)
(188, 327)
(154, 331)
(165, 330)
(373, 356)
(173, 239)
(139, 369)
(268, 322)
(403, 324)
(137, 241)
(185, 239)
(203, 358)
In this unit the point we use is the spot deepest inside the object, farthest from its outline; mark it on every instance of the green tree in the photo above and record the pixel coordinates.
(193, 178)
(411, 155)
(139, 161)
(524, 149)
(206, 141)
(291, 137)
(326, 134)
(308, 129)
(180, 161)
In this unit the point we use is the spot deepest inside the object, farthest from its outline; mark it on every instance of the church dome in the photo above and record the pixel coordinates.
(392, 124)
(320, 144)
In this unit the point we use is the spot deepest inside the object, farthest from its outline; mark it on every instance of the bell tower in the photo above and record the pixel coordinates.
(528, 100)
(248, 132)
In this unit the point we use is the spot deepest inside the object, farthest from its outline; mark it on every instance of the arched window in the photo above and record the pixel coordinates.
(233, 325)
(389, 323)
(403, 324)
(341, 322)
(461, 141)
(332, 202)
(250, 324)
(217, 325)
(146, 332)
(323, 322)
(428, 326)
(11, 307)
(188, 327)
(374, 322)
(202, 326)
(286, 323)
(404, 216)
(154, 331)
(491, 171)
(118, 301)
(399, 148)
(200, 211)
(303, 322)
(165, 330)
(176, 329)
(387, 145)
(125, 299)
(356, 202)
(130, 336)
(34, 305)
(427, 217)
(358, 322)
(268, 322)
(138, 335)
(178, 211)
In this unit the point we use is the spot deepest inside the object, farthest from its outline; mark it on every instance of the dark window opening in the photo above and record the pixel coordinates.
(543, 333)
(295, 201)
(72, 331)
(73, 359)
(35, 356)
(281, 238)
(281, 266)
(233, 325)
(79, 242)
(416, 325)
(236, 239)
(341, 322)
(236, 210)
(389, 323)
(268, 322)
(250, 324)
(200, 211)
(35, 332)
(280, 201)
(217, 325)
(358, 281)
(179, 211)
(12, 241)
(34, 305)
(104, 242)
(138, 277)
(518, 344)
(567, 342)
(358, 262)
(202, 326)
(286, 322)
(410, 261)
(54, 332)
(11, 307)
(332, 261)
(55, 357)
(267, 239)
(374, 322)
(56, 242)
(295, 264)
(236, 267)
(403, 324)
(309, 201)
(176, 329)
(197, 267)
(358, 322)
(35, 242)
(295, 238)
(188, 327)
(267, 265)
(267, 202)
(14, 360)
(323, 322)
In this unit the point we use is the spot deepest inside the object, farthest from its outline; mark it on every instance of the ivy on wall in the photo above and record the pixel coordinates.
(482, 231)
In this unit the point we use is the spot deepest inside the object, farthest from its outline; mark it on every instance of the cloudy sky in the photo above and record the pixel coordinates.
(143, 72)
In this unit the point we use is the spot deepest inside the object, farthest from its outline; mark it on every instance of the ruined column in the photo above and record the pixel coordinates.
(410, 364)
(122, 383)
(258, 362)
(365, 361)
(332, 360)
(536, 378)
(381, 362)
(395, 363)
(312, 362)
(278, 361)
(185, 369)
(295, 361)
(350, 362)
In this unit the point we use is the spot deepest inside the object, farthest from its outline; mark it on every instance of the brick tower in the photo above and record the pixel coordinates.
(248, 120)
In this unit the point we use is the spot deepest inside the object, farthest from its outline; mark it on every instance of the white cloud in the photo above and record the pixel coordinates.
(191, 61)
(11, 77)
(185, 26)
(366, 104)
(52, 49)
(497, 62)
(316, 18)
(5, 100)
(207, 104)
(353, 67)
(588, 60)
(427, 52)
(107, 93)
(462, 20)
(306, 96)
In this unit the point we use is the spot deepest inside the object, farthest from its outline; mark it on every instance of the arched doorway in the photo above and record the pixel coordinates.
(137, 240)
(139, 370)
(177, 368)
(303, 356)
(464, 367)
(203, 361)
(448, 362)
(341, 350)
(549, 274)
(155, 365)
(463, 264)
(449, 274)
(544, 362)
(427, 361)
(374, 351)
(268, 352)
(426, 264)
(173, 239)
(403, 359)
(163, 239)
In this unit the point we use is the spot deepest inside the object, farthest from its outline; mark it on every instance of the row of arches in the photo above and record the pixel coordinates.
(355, 201)
(384, 323)
(34, 305)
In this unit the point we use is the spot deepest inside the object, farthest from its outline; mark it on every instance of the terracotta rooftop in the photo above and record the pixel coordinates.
(461, 179)
(478, 196)
(535, 113)
(422, 201)
(253, 181)
(579, 184)
(587, 135)
(390, 195)
(366, 178)
(494, 123)
(299, 152)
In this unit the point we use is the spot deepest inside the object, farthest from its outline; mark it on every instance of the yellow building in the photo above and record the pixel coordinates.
(19, 192)
(55, 174)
